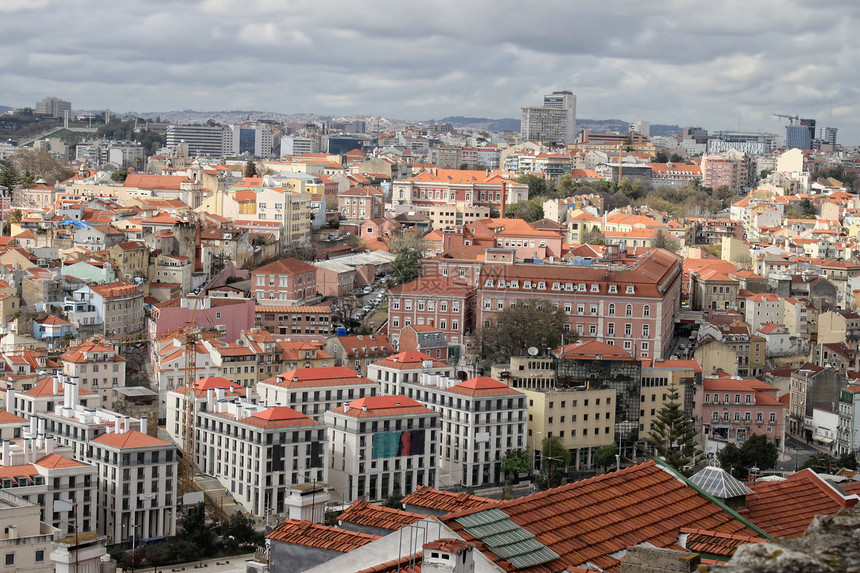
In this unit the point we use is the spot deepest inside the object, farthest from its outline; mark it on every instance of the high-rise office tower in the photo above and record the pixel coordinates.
(555, 122)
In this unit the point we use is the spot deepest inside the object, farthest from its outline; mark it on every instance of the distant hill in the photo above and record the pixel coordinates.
(504, 124)
(5, 108)
(595, 125)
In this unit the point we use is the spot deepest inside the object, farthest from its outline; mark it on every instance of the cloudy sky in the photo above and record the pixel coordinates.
(716, 64)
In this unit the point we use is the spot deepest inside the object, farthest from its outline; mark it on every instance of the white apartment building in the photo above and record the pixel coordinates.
(96, 367)
(391, 372)
(41, 478)
(554, 122)
(481, 419)
(137, 484)
(380, 445)
(314, 391)
(25, 541)
(45, 396)
(205, 391)
(260, 454)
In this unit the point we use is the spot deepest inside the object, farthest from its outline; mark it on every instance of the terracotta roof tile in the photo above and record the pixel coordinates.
(590, 520)
(309, 534)
(129, 439)
(785, 508)
(57, 461)
(278, 417)
(371, 515)
(440, 500)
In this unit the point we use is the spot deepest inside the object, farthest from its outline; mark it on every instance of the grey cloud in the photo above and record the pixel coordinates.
(667, 61)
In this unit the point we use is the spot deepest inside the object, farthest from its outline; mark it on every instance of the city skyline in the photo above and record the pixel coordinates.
(705, 68)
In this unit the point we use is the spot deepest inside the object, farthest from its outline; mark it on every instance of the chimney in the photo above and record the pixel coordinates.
(5, 459)
(345, 407)
(10, 400)
(56, 384)
(143, 425)
(40, 441)
(649, 559)
(210, 399)
(504, 199)
(67, 394)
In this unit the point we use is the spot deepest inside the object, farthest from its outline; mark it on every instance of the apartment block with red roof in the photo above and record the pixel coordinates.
(435, 301)
(258, 453)
(284, 280)
(437, 187)
(359, 351)
(95, 366)
(312, 322)
(733, 409)
(314, 391)
(481, 420)
(631, 304)
(40, 476)
(117, 306)
(206, 392)
(381, 445)
(361, 203)
(409, 365)
(138, 484)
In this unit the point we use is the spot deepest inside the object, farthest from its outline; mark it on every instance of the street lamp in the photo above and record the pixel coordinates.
(534, 451)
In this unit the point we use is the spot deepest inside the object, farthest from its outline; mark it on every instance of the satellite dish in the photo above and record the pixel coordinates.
(533, 351)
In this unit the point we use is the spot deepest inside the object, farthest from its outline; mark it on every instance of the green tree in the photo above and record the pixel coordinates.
(514, 462)
(664, 241)
(848, 460)
(593, 237)
(605, 456)
(822, 463)
(672, 436)
(28, 179)
(8, 175)
(119, 176)
(197, 532)
(394, 500)
(519, 327)
(675, 158)
(757, 451)
(537, 185)
(554, 460)
(530, 210)
(408, 249)
(250, 169)
(15, 216)
(238, 530)
(661, 157)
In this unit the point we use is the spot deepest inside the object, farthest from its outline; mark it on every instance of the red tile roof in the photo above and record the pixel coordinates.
(714, 543)
(409, 359)
(57, 461)
(446, 501)
(129, 439)
(288, 266)
(482, 386)
(278, 417)
(9, 418)
(321, 376)
(309, 534)
(374, 406)
(592, 520)
(785, 508)
(371, 515)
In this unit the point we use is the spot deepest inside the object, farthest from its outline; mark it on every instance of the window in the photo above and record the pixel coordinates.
(630, 289)
(40, 555)
(611, 311)
(772, 419)
(10, 559)
(613, 289)
(759, 417)
(646, 330)
(646, 311)
(628, 310)
(628, 329)
(592, 329)
(610, 329)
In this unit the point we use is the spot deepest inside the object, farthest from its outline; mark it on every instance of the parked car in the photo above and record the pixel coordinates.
(368, 289)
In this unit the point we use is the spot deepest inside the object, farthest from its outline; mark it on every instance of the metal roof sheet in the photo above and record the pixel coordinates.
(506, 539)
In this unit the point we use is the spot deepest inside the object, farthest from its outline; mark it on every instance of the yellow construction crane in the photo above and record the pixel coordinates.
(189, 441)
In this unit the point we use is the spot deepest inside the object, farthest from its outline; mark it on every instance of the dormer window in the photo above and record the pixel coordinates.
(541, 285)
(613, 289)
(630, 289)
(488, 283)
(595, 288)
